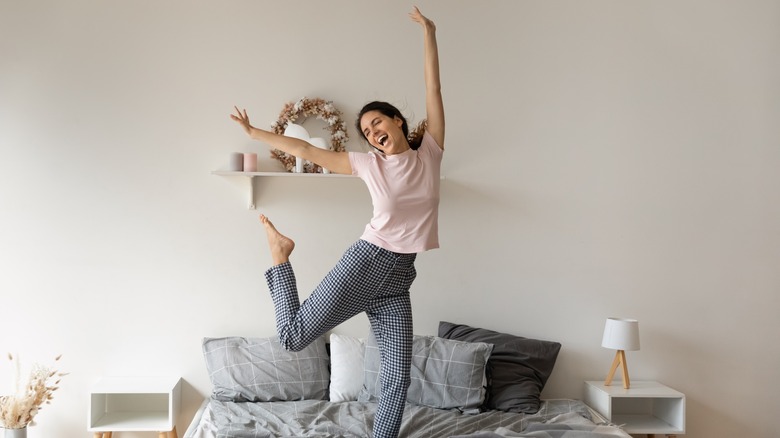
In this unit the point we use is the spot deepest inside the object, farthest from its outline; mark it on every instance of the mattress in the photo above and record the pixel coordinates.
(316, 418)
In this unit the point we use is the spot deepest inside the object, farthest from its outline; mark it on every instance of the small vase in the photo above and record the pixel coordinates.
(15, 433)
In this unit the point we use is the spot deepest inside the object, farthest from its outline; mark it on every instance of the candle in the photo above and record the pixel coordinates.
(236, 162)
(250, 162)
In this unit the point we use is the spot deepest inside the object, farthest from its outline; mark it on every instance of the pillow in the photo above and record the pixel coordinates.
(346, 367)
(259, 369)
(517, 370)
(445, 373)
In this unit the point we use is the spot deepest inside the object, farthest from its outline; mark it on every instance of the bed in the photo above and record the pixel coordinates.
(466, 382)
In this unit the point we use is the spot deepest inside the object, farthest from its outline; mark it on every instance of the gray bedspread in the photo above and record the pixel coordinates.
(312, 418)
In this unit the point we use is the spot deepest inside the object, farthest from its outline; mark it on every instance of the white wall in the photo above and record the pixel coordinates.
(604, 158)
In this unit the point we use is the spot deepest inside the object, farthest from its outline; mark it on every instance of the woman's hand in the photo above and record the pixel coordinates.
(242, 119)
(433, 101)
(417, 16)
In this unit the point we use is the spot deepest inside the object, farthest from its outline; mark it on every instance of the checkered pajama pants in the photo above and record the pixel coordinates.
(367, 279)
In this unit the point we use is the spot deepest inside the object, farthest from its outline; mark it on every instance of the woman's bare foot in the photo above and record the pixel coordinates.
(281, 245)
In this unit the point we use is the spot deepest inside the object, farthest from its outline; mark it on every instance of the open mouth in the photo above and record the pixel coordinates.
(382, 140)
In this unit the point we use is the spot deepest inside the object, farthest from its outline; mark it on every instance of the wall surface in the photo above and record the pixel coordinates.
(604, 158)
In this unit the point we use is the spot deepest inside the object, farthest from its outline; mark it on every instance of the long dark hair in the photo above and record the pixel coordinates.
(414, 138)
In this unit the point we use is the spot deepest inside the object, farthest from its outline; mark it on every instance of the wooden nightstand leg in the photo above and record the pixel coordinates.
(173, 434)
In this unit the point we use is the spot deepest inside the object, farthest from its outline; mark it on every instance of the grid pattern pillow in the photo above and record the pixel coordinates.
(517, 370)
(445, 374)
(259, 369)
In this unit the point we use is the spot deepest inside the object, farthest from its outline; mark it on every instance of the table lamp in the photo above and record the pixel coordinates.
(299, 132)
(620, 334)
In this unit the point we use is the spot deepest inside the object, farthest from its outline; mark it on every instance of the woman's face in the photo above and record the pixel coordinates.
(383, 132)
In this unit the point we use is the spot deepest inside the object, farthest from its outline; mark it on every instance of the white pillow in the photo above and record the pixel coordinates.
(346, 367)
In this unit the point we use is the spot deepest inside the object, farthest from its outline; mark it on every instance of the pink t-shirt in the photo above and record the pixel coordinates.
(404, 189)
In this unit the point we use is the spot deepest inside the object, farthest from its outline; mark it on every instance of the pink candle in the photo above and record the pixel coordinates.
(250, 162)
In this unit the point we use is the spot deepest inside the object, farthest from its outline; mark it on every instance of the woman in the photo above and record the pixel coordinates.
(375, 273)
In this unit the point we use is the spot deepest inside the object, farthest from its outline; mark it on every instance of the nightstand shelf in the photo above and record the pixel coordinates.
(142, 404)
(645, 408)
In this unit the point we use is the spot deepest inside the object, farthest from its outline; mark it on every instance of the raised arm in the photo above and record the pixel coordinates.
(336, 162)
(433, 102)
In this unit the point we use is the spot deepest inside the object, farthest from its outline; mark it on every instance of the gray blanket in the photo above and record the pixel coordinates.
(313, 418)
(562, 426)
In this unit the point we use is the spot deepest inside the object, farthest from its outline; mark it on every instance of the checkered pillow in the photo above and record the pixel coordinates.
(445, 374)
(259, 369)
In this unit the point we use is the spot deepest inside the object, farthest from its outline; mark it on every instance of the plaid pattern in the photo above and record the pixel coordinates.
(258, 369)
(367, 279)
(445, 373)
(323, 419)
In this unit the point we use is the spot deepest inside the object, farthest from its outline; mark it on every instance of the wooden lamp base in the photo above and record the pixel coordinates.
(620, 359)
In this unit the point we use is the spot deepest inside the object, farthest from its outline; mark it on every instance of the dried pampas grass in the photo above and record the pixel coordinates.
(17, 411)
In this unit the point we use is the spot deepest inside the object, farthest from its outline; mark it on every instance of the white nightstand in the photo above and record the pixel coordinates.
(142, 404)
(645, 408)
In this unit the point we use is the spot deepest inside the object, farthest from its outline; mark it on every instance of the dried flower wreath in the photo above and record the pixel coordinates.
(325, 111)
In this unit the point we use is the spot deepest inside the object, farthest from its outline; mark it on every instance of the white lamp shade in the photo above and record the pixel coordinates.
(621, 334)
(319, 142)
(296, 131)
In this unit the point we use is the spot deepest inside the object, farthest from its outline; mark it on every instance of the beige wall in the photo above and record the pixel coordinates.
(604, 158)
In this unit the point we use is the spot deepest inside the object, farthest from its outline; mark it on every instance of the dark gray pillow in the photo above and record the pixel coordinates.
(517, 369)
(259, 369)
(446, 374)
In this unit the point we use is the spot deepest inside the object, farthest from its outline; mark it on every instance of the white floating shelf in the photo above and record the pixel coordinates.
(252, 175)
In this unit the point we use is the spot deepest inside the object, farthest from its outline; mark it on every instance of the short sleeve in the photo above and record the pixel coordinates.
(360, 161)
(429, 146)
